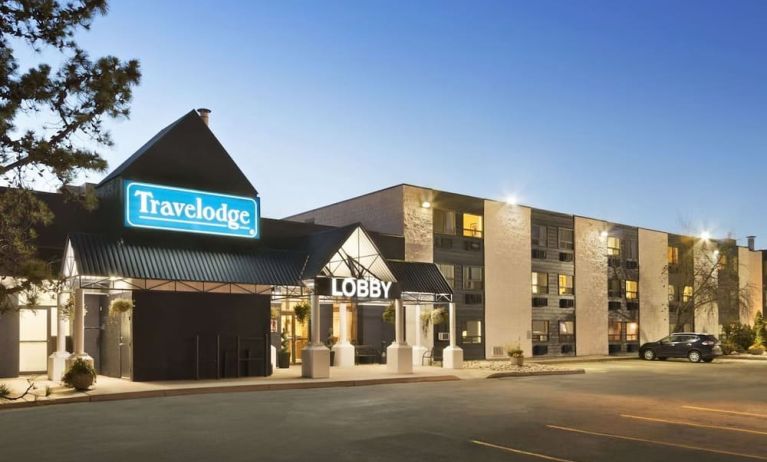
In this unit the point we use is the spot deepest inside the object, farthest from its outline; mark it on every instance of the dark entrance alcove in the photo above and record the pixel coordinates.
(181, 336)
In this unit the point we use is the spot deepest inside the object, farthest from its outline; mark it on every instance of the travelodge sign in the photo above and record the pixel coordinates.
(178, 209)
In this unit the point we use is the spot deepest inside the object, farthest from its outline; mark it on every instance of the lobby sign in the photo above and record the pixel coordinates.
(187, 210)
(374, 289)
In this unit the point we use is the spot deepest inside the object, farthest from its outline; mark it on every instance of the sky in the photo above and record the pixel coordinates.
(649, 113)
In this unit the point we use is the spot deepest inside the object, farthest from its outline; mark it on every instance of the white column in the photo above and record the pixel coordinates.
(399, 355)
(78, 329)
(57, 360)
(315, 357)
(452, 356)
(343, 350)
(418, 349)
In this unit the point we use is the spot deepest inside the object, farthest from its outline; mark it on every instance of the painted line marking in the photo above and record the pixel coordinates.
(693, 424)
(660, 443)
(724, 411)
(519, 451)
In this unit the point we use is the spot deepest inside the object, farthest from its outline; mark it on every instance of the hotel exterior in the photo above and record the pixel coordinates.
(215, 287)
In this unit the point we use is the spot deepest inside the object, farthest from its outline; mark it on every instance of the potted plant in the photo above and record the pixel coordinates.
(426, 322)
(516, 354)
(331, 340)
(283, 356)
(120, 305)
(438, 316)
(80, 376)
(389, 315)
(302, 311)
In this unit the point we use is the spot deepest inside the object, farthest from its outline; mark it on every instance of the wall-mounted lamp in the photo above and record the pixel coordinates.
(603, 234)
(426, 204)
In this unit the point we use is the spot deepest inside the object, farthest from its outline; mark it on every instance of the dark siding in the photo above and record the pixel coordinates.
(9, 344)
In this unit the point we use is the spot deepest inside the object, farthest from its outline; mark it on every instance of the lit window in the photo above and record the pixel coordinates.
(538, 234)
(566, 239)
(632, 331)
(472, 225)
(472, 278)
(613, 246)
(632, 290)
(673, 255)
(540, 331)
(687, 294)
(472, 333)
(671, 293)
(448, 271)
(540, 283)
(566, 331)
(444, 222)
(565, 284)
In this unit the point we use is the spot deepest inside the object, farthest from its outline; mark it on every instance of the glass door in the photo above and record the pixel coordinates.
(33, 339)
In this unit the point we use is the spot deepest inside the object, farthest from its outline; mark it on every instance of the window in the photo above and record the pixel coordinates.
(632, 332)
(539, 235)
(448, 271)
(632, 290)
(443, 242)
(673, 255)
(671, 293)
(565, 284)
(613, 287)
(566, 331)
(540, 331)
(472, 332)
(566, 239)
(687, 294)
(539, 254)
(540, 283)
(444, 222)
(629, 249)
(566, 303)
(472, 278)
(472, 225)
(472, 299)
(565, 256)
(615, 331)
(613, 246)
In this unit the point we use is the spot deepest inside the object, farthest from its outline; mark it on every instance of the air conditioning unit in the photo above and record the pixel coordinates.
(443, 336)
(499, 351)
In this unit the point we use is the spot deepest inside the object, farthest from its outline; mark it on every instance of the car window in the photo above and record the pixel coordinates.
(677, 338)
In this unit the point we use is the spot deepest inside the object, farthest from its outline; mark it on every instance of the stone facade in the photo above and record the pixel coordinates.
(591, 315)
(706, 314)
(653, 285)
(508, 294)
(418, 225)
(750, 281)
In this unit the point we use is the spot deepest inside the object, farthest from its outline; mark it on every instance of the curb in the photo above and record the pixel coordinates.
(743, 357)
(226, 389)
(500, 375)
(584, 360)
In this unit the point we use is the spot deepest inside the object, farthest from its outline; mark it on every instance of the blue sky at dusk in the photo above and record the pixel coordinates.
(649, 113)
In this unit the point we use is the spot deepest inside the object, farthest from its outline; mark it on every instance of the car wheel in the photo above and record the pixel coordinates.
(694, 356)
(708, 360)
(648, 355)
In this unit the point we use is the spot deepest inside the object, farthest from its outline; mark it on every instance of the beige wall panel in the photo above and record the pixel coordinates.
(419, 225)
(508, 293)
(378, 211)
(750, 279)
(590, 287)
(706, 315)
(653, 285)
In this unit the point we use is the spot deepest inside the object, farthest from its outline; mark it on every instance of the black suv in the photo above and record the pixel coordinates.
(693, 346)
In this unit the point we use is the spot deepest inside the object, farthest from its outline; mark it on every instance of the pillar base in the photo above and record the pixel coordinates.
(344, 355)
(452, 357)
(315, 362)
(418, 352)
(84, 356)
(57, 365)
(399, 358)
(273, 356)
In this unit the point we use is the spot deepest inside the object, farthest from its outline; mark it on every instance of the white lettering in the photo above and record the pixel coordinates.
(144, 196)
(362, 288)
(386, 286)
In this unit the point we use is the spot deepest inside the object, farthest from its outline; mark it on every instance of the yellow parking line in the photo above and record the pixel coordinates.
(519, 451)
(660, 443)
(724, 411)
(693, 424)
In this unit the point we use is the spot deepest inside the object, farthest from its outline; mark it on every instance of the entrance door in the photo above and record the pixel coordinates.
(297, 333)
(126, 345)
(33, 338)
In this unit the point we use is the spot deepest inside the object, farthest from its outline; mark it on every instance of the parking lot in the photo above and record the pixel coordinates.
(621, 410)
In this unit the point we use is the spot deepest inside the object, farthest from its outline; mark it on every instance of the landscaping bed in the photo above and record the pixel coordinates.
(508, 369)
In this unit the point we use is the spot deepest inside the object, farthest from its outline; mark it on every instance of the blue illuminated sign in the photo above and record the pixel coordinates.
(177, 209)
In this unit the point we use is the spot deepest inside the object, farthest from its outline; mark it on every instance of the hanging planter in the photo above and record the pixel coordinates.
(302, 311)
(120, 305)
(438, 316)
(426, 322)
(389, 315)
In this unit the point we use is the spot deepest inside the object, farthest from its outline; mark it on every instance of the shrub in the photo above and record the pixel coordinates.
(4, 391)
(515, 351)
(739, 335)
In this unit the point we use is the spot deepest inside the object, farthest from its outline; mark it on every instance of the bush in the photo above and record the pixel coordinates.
(740, 336)
(728, 347)
(79, 366)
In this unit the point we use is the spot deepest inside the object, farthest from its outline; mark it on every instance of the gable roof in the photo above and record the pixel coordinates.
(186, 154)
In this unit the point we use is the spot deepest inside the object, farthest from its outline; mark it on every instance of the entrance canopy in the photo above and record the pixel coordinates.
(96, 261)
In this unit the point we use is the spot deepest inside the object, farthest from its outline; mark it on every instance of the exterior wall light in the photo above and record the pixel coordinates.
(705, 235)
(603, 234)
(426, 204)
(511, 200)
